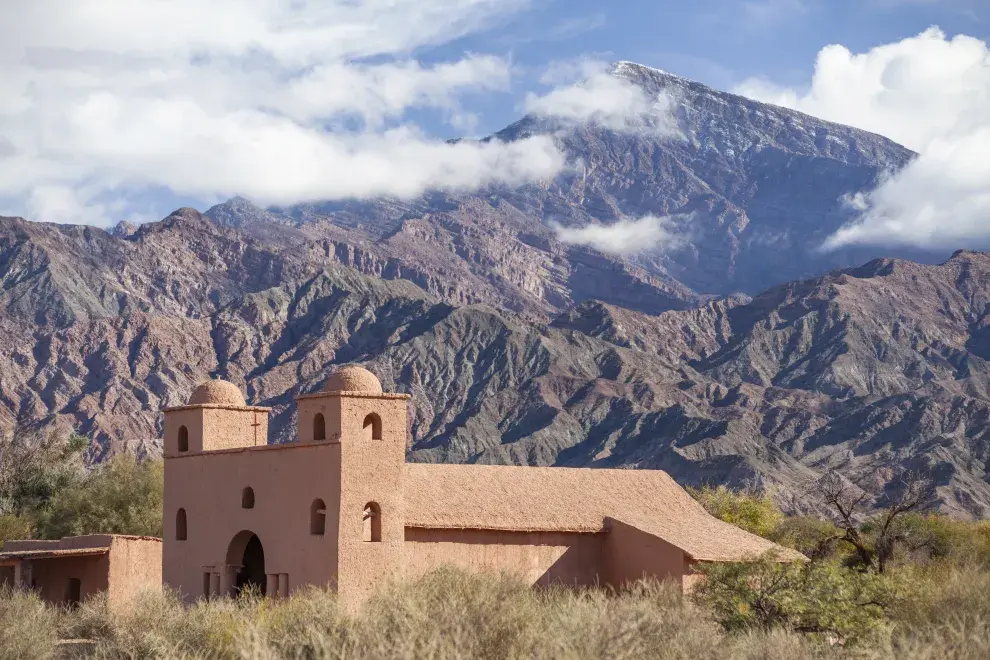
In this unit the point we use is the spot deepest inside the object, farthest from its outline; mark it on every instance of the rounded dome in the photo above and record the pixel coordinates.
(217, 392)
(353, 378)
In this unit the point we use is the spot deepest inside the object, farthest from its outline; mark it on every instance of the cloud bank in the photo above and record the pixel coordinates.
(107, 99)
(930, 93)
(587, 91)
(627, 236)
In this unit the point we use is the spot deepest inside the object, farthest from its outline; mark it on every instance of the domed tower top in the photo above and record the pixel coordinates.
(217, 392)
(353, 378)
(216, 417)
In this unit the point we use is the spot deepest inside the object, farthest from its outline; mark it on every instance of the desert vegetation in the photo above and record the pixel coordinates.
(46, 492)
(449, 614)
(885, 580)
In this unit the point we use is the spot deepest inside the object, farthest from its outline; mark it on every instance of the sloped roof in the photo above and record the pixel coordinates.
(572, 499)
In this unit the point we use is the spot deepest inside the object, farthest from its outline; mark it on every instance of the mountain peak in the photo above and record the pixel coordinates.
(625, 67)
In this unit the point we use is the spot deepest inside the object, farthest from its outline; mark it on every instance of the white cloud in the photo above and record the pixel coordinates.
(930, 93)
(271, 100)
(596, 95)
(627, 236)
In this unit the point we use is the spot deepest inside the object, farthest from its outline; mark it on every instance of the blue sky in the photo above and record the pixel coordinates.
(126, 109)
(718, 42)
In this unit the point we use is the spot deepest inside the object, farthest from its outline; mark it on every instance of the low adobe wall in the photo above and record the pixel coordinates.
(135, 566)
(51, 576)
(542, 558)
(631, 554)
(123, 567)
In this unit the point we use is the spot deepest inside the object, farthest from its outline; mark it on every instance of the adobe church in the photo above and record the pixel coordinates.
(341, 507)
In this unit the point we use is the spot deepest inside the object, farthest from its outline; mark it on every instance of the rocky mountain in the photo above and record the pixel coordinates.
(730, 354)
(748, 191)
(871, 369)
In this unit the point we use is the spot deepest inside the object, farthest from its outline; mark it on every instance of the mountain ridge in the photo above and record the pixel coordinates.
(762, 392)
(742, 355)
(748, 192)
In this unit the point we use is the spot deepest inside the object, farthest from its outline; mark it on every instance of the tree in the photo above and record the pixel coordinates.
(34, 466)
(120, 496)
(756, 513)
(809, 597)
(875, 542)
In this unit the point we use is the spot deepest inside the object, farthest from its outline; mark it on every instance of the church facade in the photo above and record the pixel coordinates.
(340, 507)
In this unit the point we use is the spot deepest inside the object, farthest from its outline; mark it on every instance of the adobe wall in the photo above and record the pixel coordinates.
(226, 428)
(212, 427)
(630, 554)
(543, 558)
(51, 576)
(372, 471)
(192, 419)
(135, 566)
(286, 480)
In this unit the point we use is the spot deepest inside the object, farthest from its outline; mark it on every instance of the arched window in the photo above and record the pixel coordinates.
(180, 525)
(375, 422)
(319, 427)
(183, 438)
(247, 498)
(317, 518)
(372, 522)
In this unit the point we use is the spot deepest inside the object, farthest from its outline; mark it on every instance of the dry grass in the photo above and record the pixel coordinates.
(449, 614)
(28, 629)
(445, 615)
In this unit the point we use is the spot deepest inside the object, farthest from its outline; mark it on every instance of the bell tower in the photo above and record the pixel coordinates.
(370, 428)
(216, 417)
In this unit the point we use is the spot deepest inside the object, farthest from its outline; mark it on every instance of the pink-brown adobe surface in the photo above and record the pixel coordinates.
(572, 499)
(120, 565)
(550, 525)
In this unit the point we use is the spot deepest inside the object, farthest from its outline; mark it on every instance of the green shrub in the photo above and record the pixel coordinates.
(13, 526)
(810, 597)
(932, 536)
(754, 513)
(121, 496)
(813, 537)
(34, 467)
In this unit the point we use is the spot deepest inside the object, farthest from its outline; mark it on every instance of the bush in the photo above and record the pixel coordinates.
(754, 513)
(651, 619)
(808, 597)
(34, 467)
(13, 526)
(813, 537)
(28, 628)
(931, 536)
(450, 614)
(157, 625)
(121, 496)
(445, 614)
(943, 611)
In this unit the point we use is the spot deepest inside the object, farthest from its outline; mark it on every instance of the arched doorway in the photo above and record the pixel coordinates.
(246, 551)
